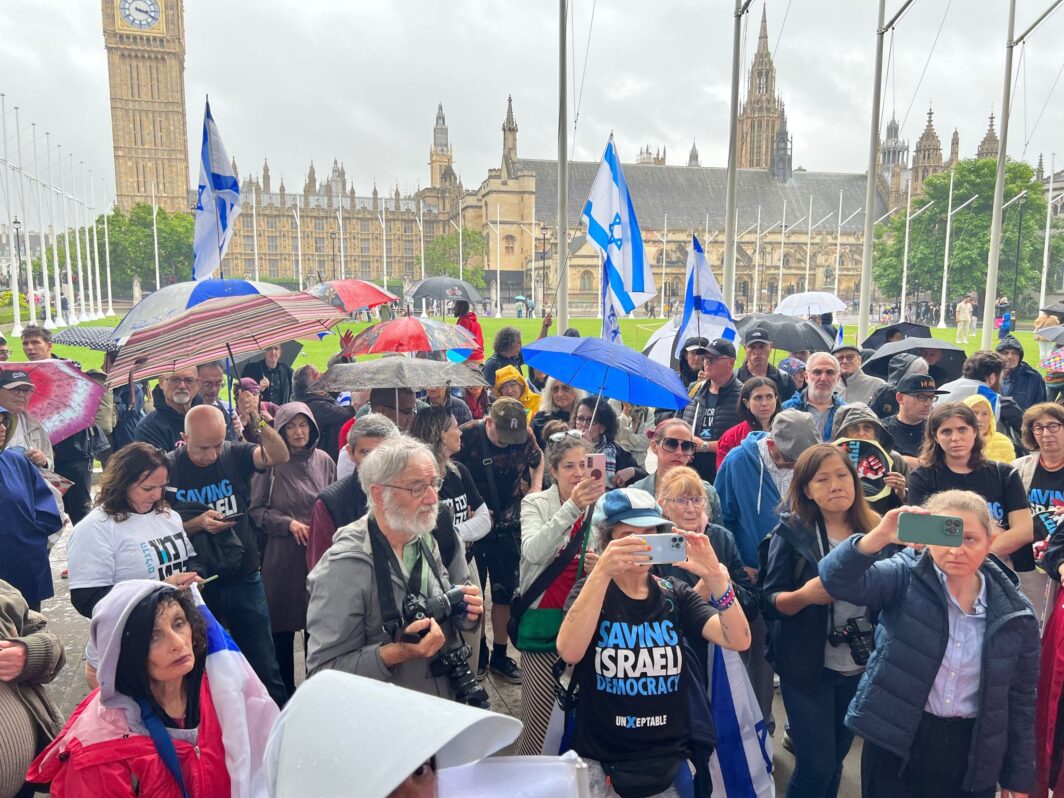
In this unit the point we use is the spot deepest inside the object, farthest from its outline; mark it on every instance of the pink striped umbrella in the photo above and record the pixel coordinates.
(64, 399)
(212, 329)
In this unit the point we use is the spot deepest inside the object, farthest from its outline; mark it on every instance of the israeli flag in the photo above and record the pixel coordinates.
(839, 336)
(246, 712)
(741, 765)
(217, 205)
(704, 311)
(611, 328)
(614, 230)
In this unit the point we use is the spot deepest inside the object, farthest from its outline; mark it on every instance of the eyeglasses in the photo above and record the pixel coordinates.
(206, 384)
(183, 380)
(417, 490)
(558, 437)
(689, 501)
(27, 389)
(672, 444)
(582, 421)
(846, 358)
(1053, 427)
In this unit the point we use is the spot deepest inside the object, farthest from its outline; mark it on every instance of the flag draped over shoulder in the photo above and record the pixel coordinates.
(742, 761)
(704, 311)
(627, 276)
(245, 710)
(218, 202)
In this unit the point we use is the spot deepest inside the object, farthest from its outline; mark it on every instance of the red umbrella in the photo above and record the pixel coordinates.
(64, 399)
(411, 334)
(351, 294)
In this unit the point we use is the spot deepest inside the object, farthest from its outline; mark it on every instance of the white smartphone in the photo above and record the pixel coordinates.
(670, 547)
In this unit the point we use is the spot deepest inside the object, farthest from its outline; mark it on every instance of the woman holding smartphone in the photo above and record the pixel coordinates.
(953, 457)
(947, 704)
(818, 646)
(624, 632)
(598, 422)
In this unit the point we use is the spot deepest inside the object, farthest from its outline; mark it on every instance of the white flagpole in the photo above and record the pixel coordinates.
(60, 318)
(1049, 226)
(783, 247)
(49, 322)
(96, 247)
(838, 244)
(16, 311)
(664, 247)
(562, 290)
(72, 310)
(155, 236)
(808, 241)
(299, 244)
(107, 252)
(255, 227)
(757, 265)
(82, 315)
(421, 233)
(340, 218)
(31, 298)
(88, 250)
(498, 264)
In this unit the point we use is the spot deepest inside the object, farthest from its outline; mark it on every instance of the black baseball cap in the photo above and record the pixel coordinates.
(696, 343)
(14, 378)
(756, 336)
(721, 347)
(918, 383)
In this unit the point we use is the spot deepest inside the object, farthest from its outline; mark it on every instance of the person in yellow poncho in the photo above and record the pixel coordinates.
(510, 382)
(998, 446)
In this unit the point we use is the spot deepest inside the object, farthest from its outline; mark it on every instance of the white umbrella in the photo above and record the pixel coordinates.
(810, 303)
(662, 343)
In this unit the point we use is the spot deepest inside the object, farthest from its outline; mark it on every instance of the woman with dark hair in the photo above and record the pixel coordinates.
(953, 458)
(947, 704)
(759, 402)
(598, 422)
(131, 533)
(624, 631)
(151, 728)
(549, 522)
(817, 646)
(507, 352)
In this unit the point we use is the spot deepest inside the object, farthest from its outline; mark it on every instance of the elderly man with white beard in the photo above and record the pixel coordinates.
(403, 547)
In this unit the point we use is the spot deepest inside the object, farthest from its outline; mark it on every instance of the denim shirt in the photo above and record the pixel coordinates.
(955, 693)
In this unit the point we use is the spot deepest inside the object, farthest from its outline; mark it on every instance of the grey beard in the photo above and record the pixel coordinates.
(182, 397)
(405, 525)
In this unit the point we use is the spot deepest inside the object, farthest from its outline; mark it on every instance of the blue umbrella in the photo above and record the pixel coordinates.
(612, 370)
(170, 300)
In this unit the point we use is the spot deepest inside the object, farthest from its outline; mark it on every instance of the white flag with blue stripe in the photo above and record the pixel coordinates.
(839, 336)
(218, 203)
(704, 312)
(741, 765)
(613, 228)
(611, 328)
(246, 712)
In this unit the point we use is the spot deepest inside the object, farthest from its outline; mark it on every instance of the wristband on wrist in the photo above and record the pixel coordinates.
(262, 423)
(727, 598)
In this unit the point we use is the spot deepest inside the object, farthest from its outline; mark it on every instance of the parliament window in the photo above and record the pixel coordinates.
(408, 249)
(587, 281)
(274, 268)
(319, 224)
(508, 243)
(408, 228)
(271, 244)
(319, 244)
(364, 247)
(364, 225)
(249, 243)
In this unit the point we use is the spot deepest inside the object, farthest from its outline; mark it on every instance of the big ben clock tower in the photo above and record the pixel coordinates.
(145, 42)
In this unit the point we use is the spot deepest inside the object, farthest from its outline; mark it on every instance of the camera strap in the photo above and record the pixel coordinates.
(385, 563)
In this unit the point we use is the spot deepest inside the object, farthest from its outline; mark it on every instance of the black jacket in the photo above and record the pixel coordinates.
(162, 428)
(784, 382)
(280, 393)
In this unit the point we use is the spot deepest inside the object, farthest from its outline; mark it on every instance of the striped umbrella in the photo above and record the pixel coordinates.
(215, 328)
(412, 334)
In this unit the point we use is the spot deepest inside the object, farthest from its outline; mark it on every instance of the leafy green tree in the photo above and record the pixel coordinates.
(970, 235)
(441, 257)
(131, 248)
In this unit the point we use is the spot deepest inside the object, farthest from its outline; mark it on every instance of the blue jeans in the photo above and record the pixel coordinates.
(821, 741)
(240, 606)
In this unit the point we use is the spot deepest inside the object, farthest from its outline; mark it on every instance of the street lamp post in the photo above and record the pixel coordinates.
(299, 245)
(332, 242)
(18, 265)
(461, 260)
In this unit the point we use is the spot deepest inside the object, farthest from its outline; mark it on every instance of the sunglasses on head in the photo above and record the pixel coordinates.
(557, 437)
(672, 444)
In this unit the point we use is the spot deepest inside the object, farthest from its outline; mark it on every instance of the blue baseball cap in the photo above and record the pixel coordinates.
(629, 506)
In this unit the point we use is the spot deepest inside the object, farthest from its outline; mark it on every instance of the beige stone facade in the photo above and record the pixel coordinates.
(145, 43)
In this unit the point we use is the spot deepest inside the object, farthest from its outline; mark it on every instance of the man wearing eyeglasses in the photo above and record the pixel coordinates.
(163, 426)
(24, 432)
(916, 398)
(714, 407)
(5, 350)
(211, 379)
(819, 399)
(854, 385)
(396, 551)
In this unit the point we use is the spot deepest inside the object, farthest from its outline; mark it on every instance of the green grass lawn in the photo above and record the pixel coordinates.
(635, 333)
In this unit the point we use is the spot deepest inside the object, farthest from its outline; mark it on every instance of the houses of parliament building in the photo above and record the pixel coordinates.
(378, 235)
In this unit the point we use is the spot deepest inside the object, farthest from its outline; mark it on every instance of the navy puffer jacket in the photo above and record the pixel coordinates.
(911, 640)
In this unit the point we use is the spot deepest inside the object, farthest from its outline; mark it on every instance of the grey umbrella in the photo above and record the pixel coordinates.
(99, 338)
(397, 372)
(446, 288)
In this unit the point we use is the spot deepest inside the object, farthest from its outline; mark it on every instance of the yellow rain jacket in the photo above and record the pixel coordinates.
(529, 399)
(998, 445)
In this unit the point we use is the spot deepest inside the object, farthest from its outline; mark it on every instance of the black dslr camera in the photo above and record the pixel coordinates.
(858, 635)
(454, 664)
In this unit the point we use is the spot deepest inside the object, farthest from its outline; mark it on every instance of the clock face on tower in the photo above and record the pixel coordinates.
(140, 14)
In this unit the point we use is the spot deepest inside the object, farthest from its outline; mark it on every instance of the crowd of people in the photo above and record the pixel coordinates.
(436, 538)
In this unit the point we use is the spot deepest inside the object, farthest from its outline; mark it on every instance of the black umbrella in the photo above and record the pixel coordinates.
(947, 369)
(446, 288)
(1056, 309)
(99, 338)
(908, 329)
(787, 332)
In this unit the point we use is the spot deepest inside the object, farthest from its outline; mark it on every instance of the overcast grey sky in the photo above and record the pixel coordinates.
(359, 81)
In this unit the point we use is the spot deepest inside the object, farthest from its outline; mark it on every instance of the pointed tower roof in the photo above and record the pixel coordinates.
(762, 37)
(509, 124)
(988, 147)
(692, 158)
(440, 118)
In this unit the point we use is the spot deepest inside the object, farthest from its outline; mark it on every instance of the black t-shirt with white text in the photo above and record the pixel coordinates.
(459, 493)
(1046, 495)
(908, 438)
(228, 493)
(633, 704)
(511, 468)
